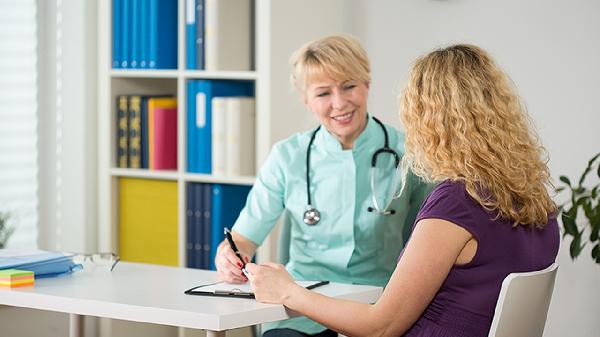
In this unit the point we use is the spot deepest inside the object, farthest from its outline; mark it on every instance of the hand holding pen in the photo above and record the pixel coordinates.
(227, 233)
(230, 261)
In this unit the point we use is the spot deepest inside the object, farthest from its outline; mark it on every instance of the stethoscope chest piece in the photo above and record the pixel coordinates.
(311, 216)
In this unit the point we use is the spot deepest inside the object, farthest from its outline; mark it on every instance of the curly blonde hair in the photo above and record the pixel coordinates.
(465, 122)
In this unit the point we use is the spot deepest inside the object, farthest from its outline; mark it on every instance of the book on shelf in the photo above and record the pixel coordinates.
(219, 134)
(240, 135)
(144, 52)
(122, 131)
(200, 34)
(189, 228)
(165, 138)
(136, 28)
(135, 129)
(233, 136)
(195, 226)
(153, 104)
(144, 151)
(125, 33)
(148, 221)
(163, 34)
(190, 34)
(116, 33)
(199, 118)
(227, 34)
(206, 223)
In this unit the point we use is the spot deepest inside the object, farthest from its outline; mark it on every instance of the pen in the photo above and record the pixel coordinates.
(318, 284)
(235, 249)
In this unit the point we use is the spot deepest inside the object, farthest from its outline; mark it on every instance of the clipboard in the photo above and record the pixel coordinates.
(222, 289)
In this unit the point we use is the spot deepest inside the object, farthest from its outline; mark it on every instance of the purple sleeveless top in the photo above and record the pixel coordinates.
(465, 303)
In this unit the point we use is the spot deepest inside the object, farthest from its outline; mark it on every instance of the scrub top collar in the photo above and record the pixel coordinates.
(371, 136)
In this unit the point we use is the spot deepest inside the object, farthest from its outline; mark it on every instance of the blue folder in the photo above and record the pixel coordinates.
(227, 203)
(42, 263)
(189, 221)
(116, 33)
(125, 50)
(190, 34)
(144, 33)
(163, 34)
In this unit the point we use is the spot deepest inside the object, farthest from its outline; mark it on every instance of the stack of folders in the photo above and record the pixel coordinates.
(41, 263)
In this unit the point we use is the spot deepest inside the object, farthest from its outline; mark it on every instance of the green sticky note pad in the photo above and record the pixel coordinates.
(9, 273)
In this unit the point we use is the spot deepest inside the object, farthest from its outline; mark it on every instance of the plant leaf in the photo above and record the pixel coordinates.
(560, 189)
(572, 212)
(584, 174)
(591, 162)
(587, 210)
(594, 234)
(596, 253)
(595, 228)
(588, 168)
(575, 248)
(582, 200)
(566, 180)
(569, 223)
(595, 191)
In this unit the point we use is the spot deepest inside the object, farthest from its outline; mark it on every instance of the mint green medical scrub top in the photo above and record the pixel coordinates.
(349, 244)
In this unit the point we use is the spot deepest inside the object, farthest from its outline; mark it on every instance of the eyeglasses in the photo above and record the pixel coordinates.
(98, 259)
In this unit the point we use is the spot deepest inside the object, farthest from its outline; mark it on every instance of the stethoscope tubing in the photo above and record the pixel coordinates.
(312, 216)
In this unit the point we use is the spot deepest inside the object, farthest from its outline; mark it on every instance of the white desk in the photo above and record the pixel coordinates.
(154, 294)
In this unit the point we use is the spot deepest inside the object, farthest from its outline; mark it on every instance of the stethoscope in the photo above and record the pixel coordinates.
(312, 215)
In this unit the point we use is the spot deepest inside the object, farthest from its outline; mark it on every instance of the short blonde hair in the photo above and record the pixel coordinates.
(340, 57)
(465, 122)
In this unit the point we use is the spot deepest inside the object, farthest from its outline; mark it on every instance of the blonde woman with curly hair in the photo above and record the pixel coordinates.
(488, 216)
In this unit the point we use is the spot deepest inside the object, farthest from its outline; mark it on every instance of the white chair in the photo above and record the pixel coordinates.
(523, 304)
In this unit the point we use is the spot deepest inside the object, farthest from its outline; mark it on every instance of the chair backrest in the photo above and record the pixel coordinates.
(285, 233)
(523, 304)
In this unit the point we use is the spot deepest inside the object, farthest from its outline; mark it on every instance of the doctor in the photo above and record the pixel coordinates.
(337, 182)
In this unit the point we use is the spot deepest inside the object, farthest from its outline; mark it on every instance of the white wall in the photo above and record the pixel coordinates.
(551, 49)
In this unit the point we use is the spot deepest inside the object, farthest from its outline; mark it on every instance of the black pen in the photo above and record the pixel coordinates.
(235, 249)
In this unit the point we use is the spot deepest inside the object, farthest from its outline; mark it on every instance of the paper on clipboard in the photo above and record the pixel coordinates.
(243, 290)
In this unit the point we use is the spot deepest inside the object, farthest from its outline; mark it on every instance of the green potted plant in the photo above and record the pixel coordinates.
(584, 202)
(5, 230)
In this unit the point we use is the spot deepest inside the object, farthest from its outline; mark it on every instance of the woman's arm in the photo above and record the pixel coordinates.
(430, 254)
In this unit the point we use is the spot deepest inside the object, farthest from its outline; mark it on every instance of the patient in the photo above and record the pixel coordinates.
(489, 215)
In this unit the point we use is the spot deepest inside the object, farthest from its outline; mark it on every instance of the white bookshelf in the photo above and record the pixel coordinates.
(281, 26)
